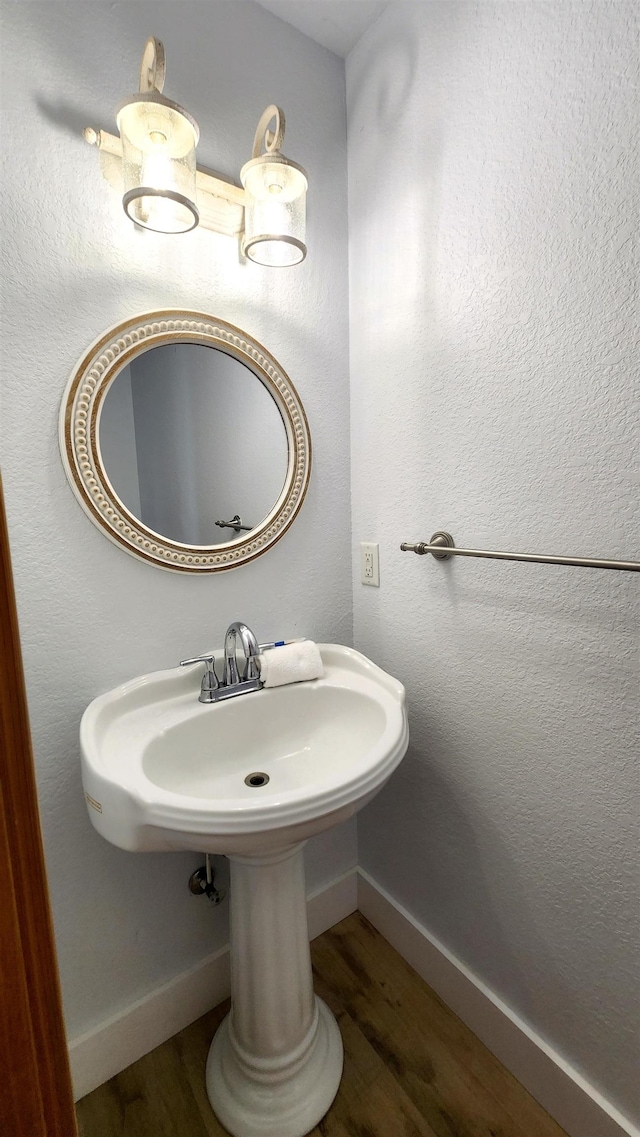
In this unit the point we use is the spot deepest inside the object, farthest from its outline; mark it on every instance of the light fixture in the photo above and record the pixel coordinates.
(275, 204)
(164, 189)
(159, 142)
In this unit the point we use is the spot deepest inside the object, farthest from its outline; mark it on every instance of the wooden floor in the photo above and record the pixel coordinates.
(412, 1069)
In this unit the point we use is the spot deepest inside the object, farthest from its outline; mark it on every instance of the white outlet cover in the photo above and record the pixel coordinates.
(370, 563)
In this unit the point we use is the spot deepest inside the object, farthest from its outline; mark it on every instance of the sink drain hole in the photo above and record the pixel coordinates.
(257, 779)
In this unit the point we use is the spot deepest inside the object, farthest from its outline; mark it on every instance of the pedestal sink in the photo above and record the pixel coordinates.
(252, 778)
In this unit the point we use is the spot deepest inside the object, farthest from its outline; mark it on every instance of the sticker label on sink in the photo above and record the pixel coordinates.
(93, 803)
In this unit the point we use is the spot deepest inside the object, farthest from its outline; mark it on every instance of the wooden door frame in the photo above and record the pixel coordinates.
(36, 1098)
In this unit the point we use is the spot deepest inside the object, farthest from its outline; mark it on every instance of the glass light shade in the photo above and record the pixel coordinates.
(275, 211)
(159, 142)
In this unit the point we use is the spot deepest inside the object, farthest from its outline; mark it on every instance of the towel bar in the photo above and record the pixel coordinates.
(442, 546)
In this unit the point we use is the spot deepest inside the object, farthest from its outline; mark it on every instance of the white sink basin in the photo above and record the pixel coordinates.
(162, 771)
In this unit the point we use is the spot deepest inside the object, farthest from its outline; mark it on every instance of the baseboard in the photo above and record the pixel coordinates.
(561, 1090)
(332, 903)
(113, 1045)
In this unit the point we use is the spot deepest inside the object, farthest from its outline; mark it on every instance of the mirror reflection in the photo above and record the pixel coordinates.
(193, 444)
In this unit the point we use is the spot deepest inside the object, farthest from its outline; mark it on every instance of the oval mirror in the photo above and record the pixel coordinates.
(185, 441)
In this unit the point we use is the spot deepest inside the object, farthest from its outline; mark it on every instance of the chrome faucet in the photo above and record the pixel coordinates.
(211, 689)
(251, 653)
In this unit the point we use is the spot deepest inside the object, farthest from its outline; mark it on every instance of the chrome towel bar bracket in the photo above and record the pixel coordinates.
(442, 546)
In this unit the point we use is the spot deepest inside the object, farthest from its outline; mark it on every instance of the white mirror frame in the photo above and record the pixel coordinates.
(80, 447)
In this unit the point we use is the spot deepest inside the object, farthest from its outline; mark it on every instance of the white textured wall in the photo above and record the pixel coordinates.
(494, 349)
(90, 615)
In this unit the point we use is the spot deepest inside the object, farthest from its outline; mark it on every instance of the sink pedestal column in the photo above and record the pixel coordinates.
(276, 1061)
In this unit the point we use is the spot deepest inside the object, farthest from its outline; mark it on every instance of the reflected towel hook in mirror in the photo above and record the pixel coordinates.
(235, 523)
(154, 160)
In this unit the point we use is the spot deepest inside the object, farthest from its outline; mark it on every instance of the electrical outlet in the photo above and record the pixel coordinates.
(369, 563)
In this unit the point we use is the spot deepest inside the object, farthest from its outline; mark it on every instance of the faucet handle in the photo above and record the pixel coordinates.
(209, 679)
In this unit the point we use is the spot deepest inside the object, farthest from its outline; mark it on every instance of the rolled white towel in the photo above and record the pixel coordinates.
(292, 663)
